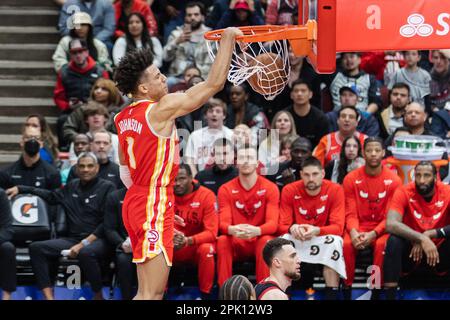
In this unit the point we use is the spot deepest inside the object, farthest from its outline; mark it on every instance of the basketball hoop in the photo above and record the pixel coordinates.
(261, 55)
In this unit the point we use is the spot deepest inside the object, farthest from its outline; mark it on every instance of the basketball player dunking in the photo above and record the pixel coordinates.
(149, 155)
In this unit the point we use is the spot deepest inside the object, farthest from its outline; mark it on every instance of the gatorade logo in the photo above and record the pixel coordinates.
(416, 26)
(25, 210)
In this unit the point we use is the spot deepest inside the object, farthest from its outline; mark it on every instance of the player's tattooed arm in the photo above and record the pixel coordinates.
(395, 225)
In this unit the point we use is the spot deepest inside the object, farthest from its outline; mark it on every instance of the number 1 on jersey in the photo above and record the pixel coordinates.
(132, 159)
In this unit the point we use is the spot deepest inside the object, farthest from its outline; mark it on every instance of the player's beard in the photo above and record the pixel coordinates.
(425, 189)
(293, 275)
(311, 186)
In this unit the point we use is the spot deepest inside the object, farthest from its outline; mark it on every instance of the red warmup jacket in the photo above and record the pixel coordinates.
(140, 7)
(257, 206)
(198, 209)
(367, 199)
(325, 210)
(59, 93)
(419, 214)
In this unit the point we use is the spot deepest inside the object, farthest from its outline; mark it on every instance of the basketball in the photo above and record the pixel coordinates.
(271, 76)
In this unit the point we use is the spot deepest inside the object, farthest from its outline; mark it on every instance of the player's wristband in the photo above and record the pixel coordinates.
(85, 242)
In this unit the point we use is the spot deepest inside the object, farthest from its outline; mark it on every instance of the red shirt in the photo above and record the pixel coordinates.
(198, 210)
(367, 199)
(59, 93)
(257, 206)
(325, 210)
(151, 158)
(418, 214)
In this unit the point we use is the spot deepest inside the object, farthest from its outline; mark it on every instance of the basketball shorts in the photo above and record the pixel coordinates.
(148, 216)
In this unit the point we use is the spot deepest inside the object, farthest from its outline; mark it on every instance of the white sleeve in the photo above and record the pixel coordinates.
(125, 176)
(158, 52)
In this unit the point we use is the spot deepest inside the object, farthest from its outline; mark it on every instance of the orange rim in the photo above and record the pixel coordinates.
(266, 33)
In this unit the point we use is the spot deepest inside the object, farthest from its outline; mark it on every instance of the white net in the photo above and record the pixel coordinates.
(264, 64)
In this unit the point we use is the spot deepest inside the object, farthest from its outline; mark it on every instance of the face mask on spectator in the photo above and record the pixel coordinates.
(32, 147)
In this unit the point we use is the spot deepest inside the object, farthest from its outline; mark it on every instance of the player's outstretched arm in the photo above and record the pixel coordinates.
(176, 105)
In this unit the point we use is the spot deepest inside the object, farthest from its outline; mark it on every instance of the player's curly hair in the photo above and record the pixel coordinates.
(130, 69)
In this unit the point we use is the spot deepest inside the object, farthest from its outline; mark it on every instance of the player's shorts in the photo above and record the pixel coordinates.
(148, 216)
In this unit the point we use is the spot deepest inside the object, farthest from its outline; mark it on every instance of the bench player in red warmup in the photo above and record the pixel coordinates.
(368, 193)
(148, 156)
(248, 217)
(196, 233)
(419, 223)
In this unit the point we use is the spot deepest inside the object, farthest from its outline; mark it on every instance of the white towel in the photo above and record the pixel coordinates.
(326, 250)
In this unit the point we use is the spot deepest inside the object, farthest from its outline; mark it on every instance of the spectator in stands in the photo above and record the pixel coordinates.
(350, 158)
(241, 111)
(136, 37)
(101, 12)
(118, 239)
(188, 74)
(330, 145)
(415, 119)
(310, 122)
(84, 204)
(123, 9)
(382, 64)
(82, 29)
(242, 135)
(313, 207)
(196, 232)
(281, 12)
(368, 88)
(237, 288)
(417, 79)
(74, 82)
(201, 142)
(49, 152)
(440, 124)
(418, 221)
(96, 116)
(81, 143)
(105, 92)
(174, 12)
(101, 147)
(440, 79)
(289, 171)
(30, 169)
(223, 169)
(285, 147)
(284, 263)
(282, 126)
(391, 118)
(240, 13)
(368, 193)
(220, 7)
(7, 249)
(186, 45)
(348, 96)
(248, 207)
